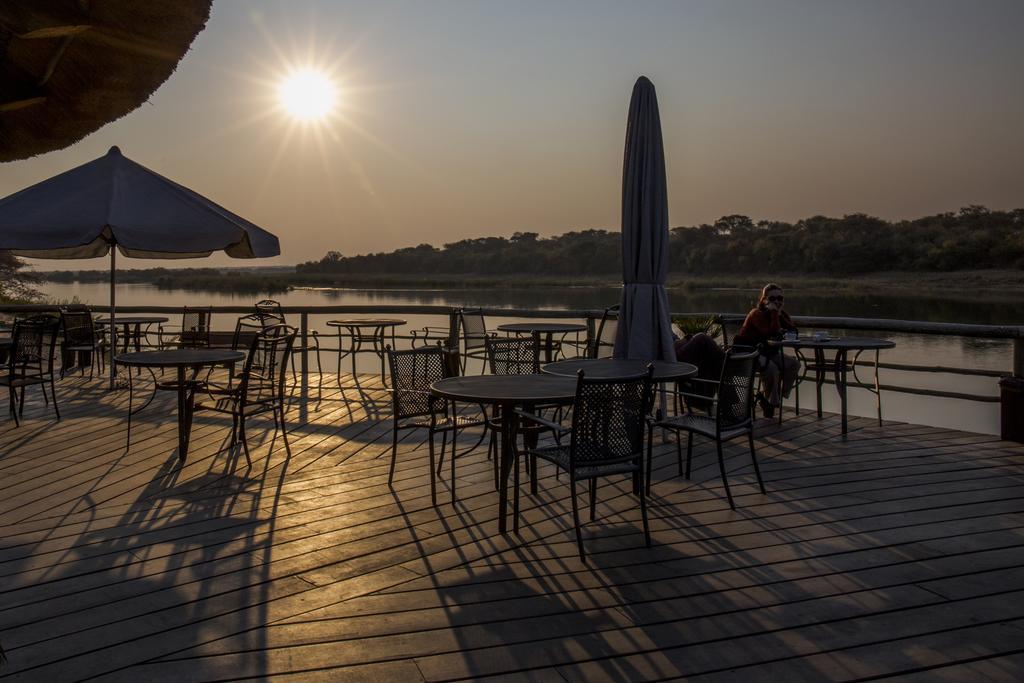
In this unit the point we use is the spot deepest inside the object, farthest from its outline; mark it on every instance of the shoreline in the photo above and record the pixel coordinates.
(958, 284)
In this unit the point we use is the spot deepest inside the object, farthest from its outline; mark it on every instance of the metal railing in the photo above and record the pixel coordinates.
(1015, 333)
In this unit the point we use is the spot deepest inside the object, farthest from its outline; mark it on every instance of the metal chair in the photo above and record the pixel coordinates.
(730, 325)
(603, 343)
(730, 417)
(80, 338)
(474, 337)
(606, 438)
(508, 356)
(30, 361)
(414, 407)
(272, 308)
(195, 329)
(260, 385)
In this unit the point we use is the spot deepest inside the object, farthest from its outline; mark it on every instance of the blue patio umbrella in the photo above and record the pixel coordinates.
(114, 204)
(645, 328)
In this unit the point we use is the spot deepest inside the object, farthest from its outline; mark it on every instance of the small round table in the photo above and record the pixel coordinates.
(507, 392)
(608, 368)
(136, 321)
(842, 346)
(549, 330)
(180, 360)
(361, 331)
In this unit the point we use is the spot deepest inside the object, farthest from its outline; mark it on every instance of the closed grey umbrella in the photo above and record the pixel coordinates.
(645, 328)
(114, 202)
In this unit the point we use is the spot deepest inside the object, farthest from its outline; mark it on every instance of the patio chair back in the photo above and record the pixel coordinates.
(736, 391)
(603, 343)
(412, 373)
(270, 308)
(78, 328)
(513, 355)
(195, 326)
(32, 346)
(474, 329)
(248, 326)
(730, 325)
(262, 379)
(609, 419)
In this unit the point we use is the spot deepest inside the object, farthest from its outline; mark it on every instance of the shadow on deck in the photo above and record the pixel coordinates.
(899, 550)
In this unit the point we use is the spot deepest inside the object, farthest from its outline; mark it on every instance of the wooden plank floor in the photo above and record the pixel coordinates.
(898, 551)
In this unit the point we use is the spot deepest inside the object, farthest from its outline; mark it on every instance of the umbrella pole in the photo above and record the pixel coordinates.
(113, 326)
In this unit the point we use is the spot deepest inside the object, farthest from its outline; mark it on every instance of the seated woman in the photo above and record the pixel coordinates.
(767, 322)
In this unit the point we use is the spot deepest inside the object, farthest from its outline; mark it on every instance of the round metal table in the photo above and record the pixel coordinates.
(507, 392)
(136, 321)
(607, 368)
(180, 360)
(360, 332)
(842, 346)
(548, 330)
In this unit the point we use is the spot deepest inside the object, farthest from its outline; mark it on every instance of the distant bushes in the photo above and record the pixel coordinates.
(973, 238)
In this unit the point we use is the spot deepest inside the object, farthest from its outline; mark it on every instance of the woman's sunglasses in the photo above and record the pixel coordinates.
(778, 298)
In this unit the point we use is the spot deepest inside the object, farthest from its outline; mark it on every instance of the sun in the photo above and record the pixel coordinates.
(308, 94)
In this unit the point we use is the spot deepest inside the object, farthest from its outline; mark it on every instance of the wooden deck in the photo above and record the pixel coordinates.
(898, 551)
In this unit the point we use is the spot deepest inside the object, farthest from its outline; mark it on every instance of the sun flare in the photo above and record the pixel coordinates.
(307, 94)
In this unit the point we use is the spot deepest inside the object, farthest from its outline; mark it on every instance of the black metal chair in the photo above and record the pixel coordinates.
(603, 343)
(606, 438)
(474, 337)
(194, 332)
(30, 361)
(80, 338)
(272, 308)
(260, 385)
(730, 416)
(508, 356)
(730, 325)
(414, 407)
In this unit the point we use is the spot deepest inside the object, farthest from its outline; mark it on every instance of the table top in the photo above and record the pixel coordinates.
(506, 390)
(133, 320)
(542, 328)
(607, 368)
(858, 343)
(173, 358)
(366, 322)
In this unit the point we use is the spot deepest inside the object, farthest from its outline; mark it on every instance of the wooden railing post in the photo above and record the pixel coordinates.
(1018, 357)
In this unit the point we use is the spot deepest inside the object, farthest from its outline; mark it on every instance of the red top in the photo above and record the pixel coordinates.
(761, 325)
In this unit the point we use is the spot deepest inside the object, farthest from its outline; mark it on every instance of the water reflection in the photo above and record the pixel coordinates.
(913, 349)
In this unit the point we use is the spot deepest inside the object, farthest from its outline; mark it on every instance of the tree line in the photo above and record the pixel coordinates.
(972, 238)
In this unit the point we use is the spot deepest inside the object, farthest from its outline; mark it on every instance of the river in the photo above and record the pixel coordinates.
(916, 349)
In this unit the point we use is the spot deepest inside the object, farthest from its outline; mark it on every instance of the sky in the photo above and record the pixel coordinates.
(459, 119)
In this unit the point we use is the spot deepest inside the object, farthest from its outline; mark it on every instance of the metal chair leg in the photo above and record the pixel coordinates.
(576, 516)
(725, 479)
(433, 478)
(689, 452)
(753, 458)
(643, 516)
(394, 452)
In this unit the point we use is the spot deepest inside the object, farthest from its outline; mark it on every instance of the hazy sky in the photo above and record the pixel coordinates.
(463, 119)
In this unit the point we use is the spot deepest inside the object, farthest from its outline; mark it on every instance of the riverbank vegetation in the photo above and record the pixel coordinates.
(984, 247)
